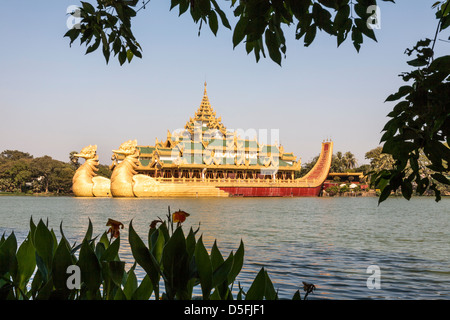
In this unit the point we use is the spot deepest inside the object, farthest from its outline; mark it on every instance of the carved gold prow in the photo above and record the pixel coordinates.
(85, 182)
(122, 176)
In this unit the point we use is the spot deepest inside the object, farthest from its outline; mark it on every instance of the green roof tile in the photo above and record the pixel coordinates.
(145, 162)
(146, 149)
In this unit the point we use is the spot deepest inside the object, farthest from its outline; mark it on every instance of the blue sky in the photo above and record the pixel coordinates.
(55, 99)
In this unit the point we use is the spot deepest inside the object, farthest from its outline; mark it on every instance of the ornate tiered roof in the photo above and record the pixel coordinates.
(206, 142)
(206, 117)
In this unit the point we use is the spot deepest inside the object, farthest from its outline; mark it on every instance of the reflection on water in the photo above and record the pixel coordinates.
(326, 241)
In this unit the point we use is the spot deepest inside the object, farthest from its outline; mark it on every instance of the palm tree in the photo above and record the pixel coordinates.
(349, 161)
(337, 164)
(343, 162)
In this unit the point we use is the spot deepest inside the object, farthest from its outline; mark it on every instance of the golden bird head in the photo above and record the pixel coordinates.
(127, 148)
(88, 152)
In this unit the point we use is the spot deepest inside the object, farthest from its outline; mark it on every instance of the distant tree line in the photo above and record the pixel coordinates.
(21, 172)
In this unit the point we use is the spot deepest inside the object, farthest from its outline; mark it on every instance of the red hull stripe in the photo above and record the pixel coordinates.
(272, 192)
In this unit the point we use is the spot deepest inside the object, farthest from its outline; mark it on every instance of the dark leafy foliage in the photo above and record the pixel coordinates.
(260, 23)
(420, 123)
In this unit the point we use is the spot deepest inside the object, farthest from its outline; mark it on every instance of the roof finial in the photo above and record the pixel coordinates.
(205, 89)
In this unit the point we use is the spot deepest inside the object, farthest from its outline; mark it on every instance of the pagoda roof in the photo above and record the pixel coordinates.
(206, 142)
(205, 115)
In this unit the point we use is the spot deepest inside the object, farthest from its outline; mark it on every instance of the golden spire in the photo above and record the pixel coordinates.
(205, 106)
(206, 114)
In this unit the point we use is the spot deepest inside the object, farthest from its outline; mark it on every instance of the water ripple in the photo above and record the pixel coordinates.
(329, 242)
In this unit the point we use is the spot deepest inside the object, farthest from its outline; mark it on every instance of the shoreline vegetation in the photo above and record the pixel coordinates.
(45, 268)
(21, 174)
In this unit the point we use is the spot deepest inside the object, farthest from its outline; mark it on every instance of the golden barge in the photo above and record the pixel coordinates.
(202, 160)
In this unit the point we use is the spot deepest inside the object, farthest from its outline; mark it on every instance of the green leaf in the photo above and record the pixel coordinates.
(310, 35)
(322, 18)
(239, 31)
(176, 266)
(341, 17)
(32, 230)
(61, 261)
(204, 268)
(153, 234)
(407, 189)
(43, 241)
(45, 291)
(157, 249)
(361, 10)
(398, 109)
(418, 62)
(94, 46)
(72, 34)
(122, 56)
(115, 270)
(90, 267)
(8, 260)
(215, 295)
(104, 239)
(36, 284)
(184, 5)
(106, 52)
(362, 27)
(120, 295)
(140, 252)
(221, 273)
(190, 243)
(117, 44)
(99, 250)
(213, 23)
(143, 257)
(144, 291)
(88, 235)
(296, 295)
(130, 55)
(402, 91)
(273, 46)
(270, 292)
(112, 252)
(216, 256)
(222, 15)
(26, 263)
(63, 237)
(88, 8)
(134, 49)
(441, 64)
(131, 285)
(385, 193)
(238, 262)
(258, 287)
(357, 38)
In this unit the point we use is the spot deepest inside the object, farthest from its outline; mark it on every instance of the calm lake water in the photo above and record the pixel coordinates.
(329, 242)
